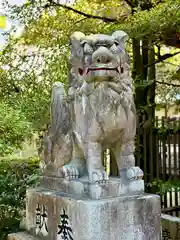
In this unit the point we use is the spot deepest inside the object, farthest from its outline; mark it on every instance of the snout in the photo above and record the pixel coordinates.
(102, 56)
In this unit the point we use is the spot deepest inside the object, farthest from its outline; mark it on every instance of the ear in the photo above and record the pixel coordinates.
(120, 36)
(77, 36)
(75, 39)
(75, 46)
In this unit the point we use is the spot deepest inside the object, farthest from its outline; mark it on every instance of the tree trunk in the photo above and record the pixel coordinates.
(166, 110)
(137, 60)
(145, 57)
(152, 78)
(145, 101)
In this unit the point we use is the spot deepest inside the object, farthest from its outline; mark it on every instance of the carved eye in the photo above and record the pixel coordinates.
(113, 48)
(88, 48)
(116, 43)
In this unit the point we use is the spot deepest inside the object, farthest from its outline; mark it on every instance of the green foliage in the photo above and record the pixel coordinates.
(167, 73)
(13, 128)
(15, 176)
(27, 84)
(48, 23)
(157, 23)
(162, 187)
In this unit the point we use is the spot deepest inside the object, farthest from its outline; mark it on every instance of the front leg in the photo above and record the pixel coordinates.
(126, 162)
(94, 163)
(76, 168)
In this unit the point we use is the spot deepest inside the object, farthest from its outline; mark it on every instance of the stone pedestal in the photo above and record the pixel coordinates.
(81, 211)
(170, 227)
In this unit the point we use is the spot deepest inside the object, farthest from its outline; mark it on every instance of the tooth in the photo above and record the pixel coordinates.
(85, 71)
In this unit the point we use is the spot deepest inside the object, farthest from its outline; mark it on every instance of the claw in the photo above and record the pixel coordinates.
(135, 173)
(98, 176)
(70, 172)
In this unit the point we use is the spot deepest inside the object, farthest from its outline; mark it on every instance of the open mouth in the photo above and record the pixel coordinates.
(87, 70)
(99, 69)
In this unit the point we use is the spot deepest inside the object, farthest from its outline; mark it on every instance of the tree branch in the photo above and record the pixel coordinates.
(168, 84)
(161, 59)
(130, 3)
(105, 19)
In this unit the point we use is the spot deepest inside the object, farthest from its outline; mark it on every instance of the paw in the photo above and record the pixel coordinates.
(70, 172)
(134, 173)
(98, 176)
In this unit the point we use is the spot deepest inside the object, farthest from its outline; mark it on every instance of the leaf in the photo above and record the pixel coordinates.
(2, 22)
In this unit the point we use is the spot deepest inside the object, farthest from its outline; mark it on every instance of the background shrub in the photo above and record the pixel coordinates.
(14, 127)
(15, 176)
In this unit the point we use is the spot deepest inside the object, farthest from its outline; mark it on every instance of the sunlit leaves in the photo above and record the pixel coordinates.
(14, 126)
(2, 22)
(166, 73)
(157, 22)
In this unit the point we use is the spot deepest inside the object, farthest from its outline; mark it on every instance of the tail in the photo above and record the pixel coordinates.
(60, 111)
(60, 123)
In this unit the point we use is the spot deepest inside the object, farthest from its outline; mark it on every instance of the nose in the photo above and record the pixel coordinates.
(102, 55)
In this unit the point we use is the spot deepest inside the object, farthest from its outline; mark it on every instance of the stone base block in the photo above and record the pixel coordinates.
(21, 236)
(170, 227)
(55, 215)
(81, 187)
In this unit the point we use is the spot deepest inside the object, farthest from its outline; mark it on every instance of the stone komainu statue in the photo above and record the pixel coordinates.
(97, 113)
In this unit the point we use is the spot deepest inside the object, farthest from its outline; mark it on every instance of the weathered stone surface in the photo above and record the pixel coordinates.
(128, 218)
(97, 113)
(170, 227)
(21, 236)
